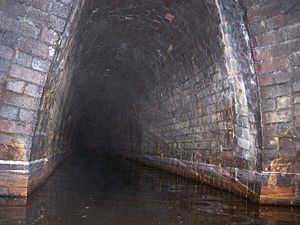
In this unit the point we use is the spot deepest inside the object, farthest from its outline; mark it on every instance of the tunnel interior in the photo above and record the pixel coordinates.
(205, 89)
(148, 77)
(128, 56)
(132, 59)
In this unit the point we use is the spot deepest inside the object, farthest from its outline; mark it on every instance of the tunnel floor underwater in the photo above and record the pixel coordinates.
(111, 190)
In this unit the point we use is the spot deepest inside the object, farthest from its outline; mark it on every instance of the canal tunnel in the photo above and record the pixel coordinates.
(185, 86)
(135, 74)
(151, 77)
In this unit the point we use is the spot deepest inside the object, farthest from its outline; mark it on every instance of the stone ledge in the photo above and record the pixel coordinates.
(20, 178)
(244, 183)
(13, 183)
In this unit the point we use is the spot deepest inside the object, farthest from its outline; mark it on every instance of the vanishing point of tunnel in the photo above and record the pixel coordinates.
(205, 89)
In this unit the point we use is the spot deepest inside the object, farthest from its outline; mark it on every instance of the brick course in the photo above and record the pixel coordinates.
(222, 93)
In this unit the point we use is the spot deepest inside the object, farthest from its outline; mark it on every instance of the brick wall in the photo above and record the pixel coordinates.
(204, 89)
(169, 90)
(30, 39)
(275, 32)
(30, 31)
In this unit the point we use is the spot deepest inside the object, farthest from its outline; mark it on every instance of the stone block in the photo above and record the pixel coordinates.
(296, 87)
(69, 2)
(268, 92)
(17, 140)
(269, 38)
(33, 90)
(297, 110)
(13, 7)
(35, 47)
(13, 127)
(277, 117)
(9, 112)
(22, 101)
(282, 20)
(28, 115)
(6, 52)
(49, 36)
(262, 53)
(265, 79)
(39, 4)
(271, 65)
(286, 48)
(37, 16)
(4, 65)
(293, 32)
(41, 65)
(57, 24)
(295, 59)
(284, 102)
(22, 59)
(268, 105)
(59, 9)
(15, 86)
(27, 74)
(282, 76)
(8, 38)
(18, 25)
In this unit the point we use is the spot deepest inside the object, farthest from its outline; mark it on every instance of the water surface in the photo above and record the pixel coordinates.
(115, 191)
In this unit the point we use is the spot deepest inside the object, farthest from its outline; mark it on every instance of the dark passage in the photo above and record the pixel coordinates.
(138, 75)
(114, 191)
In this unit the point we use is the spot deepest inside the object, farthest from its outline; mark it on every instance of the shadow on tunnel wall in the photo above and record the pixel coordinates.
(155, 81)
(169, 83)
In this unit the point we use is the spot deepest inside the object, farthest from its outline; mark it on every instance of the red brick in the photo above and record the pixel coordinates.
(33, 90)
(22, 101)
(49, 36)
(28, 115)
(277, 117)
(262, 53)
(14, 127)
(27, 74)
(272, 65)
(270, 38)
(282, 76)
(285, 49)
(282, 20)
(268, 105)
(270, 92)
(15, 86)
(266, 11)
(258, 27)
(265, 79)
(284, 89)
(36, 47)
(270, 130)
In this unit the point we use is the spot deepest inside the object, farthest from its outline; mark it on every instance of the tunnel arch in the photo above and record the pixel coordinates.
(154, 79)
(205, 89)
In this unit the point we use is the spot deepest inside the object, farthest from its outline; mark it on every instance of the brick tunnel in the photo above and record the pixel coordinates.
(209, 90)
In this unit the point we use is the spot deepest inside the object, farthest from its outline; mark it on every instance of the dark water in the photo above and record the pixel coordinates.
(114, 191)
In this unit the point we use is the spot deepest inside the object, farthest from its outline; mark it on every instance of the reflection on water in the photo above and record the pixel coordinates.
(114, 191)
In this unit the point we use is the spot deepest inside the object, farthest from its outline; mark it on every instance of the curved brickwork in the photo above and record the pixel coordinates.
(205, 89)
